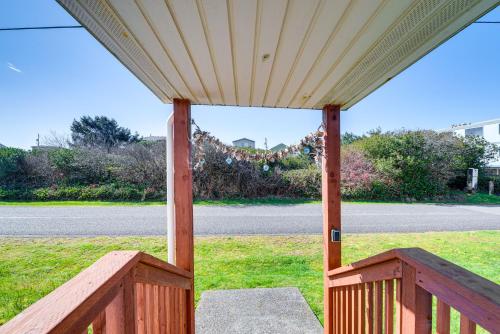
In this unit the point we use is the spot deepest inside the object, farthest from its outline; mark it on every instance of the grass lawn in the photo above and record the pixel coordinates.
(31, 268)
(479, 198)
(243, 201)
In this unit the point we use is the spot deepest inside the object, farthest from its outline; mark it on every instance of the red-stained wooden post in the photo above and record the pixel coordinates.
(331, 206)
(183, 198)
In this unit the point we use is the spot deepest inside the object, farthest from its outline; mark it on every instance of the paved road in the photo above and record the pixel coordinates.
(243, 220)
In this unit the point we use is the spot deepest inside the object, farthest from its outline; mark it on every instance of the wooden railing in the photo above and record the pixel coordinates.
(123, 292)
(393, 293)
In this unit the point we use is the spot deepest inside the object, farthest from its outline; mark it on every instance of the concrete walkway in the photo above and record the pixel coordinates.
(249, 311)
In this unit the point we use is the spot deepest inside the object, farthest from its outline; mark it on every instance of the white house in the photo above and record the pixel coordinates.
(489, 130)
(244, 142)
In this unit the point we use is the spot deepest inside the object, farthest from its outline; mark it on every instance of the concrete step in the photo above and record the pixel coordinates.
(249, 311)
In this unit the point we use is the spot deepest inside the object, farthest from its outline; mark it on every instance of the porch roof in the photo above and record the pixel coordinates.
(279, 53)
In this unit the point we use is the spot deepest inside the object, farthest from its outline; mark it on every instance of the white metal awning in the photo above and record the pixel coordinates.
(272, 53)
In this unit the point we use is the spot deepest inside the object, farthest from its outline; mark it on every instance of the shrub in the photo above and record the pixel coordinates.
(357, 174)
(240, 179)
(300, 161)
(303, 182)
(142, 164)
(421, 164)
(11, 164)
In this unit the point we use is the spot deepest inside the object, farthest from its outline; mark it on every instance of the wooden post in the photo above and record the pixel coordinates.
(331, 205)
(183, 198)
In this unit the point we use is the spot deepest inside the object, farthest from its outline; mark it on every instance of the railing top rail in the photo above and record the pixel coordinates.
(471, 294)
(370, 261)
(93, 286)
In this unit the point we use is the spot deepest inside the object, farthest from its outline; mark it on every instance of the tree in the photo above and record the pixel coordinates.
(349, 138)
(11, 161)
(100, 132)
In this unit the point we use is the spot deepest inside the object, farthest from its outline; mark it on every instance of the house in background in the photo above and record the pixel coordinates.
(154, 139)
(490, 131)
(278, 147)
(244, 142)
(44, 148)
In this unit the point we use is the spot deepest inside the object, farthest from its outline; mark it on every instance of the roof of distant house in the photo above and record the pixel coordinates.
(154, 138)
(474, 125)
(241, 139)
(44, 147)
(278, 147)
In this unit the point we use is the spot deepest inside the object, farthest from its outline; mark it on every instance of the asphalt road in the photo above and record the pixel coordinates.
(244, 220)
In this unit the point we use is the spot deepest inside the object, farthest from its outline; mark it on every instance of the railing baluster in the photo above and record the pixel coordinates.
(149, 308)
(423, 318)
(334, 311)
(467, 326)
(355, 308)
(389, 307)
(182, 311)
(362, 315)
(156, 309)
(344, 310)
(141, 321)
(398, 306)
(337, 311)
(349, 309)
(176, 310)
(169, 304)
(443, 318)
(129, 304)
(378, 307)
(162, 309)
(408, 303)
(184, 295)
(369, 308)
(99, 324)
(115, 316)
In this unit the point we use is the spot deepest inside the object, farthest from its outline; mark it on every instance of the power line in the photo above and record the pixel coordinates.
(79, 26)
(41, 28)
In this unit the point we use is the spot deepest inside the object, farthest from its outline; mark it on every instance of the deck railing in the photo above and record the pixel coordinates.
(393, 293)
(123, 292)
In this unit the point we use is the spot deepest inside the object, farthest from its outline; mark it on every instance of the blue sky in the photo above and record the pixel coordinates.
(48, 78)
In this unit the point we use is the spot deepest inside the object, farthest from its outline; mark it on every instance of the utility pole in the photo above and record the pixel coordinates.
(38, 140)
(265, 143)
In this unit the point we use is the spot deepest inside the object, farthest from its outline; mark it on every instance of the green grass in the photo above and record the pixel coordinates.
(243, 201)
(31, 268)
(479, 198)
(78, 203)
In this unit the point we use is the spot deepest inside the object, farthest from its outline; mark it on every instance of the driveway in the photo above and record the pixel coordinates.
(244, 220)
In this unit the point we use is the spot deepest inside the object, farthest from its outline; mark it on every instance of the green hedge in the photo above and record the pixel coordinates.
(82, 193)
